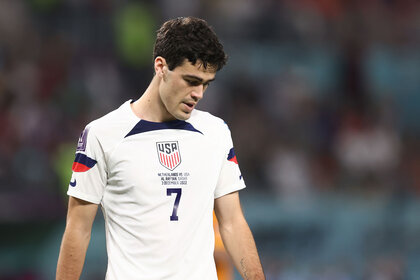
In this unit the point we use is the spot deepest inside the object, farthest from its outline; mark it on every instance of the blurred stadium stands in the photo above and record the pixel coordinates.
(322, 98)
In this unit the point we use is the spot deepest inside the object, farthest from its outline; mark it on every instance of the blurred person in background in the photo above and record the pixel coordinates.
(159, 217)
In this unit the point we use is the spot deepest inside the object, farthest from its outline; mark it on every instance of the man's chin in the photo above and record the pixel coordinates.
(183, 116)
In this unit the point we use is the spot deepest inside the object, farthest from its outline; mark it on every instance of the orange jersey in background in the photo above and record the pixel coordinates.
(223, 264)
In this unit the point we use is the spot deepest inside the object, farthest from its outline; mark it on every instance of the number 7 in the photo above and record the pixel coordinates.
(178, 192)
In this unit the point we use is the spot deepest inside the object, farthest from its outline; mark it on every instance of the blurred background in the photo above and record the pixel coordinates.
(322, 97)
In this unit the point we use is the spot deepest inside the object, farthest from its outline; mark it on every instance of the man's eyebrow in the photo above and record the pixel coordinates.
(197, 78)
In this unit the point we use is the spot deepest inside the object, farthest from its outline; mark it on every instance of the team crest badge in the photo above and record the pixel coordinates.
(169, 155)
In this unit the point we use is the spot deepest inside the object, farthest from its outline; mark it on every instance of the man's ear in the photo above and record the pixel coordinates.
(160, 64)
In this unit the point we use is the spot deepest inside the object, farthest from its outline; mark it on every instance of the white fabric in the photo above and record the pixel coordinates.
(132, 185)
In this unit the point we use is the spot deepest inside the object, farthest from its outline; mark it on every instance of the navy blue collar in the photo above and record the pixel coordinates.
(145, 126)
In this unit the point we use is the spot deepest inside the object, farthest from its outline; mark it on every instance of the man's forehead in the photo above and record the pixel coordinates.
(197, 70)
(198, 65)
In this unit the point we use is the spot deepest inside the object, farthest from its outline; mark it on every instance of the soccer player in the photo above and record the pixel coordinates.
(158, 167)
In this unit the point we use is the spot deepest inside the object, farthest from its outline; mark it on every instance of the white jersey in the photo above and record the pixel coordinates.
(156, 183)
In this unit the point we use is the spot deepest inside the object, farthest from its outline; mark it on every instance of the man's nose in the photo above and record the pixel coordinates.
(198, 92)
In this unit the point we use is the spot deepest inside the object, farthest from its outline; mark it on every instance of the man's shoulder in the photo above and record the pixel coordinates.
(208, 122)
(113, 126)
(117, 115)
(207, 118)
(114, 119)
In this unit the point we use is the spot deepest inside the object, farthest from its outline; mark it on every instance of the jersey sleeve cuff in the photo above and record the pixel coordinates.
(230, 190)
(83, 196)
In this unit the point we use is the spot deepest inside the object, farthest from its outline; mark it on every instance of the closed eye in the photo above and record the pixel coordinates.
(193, 83)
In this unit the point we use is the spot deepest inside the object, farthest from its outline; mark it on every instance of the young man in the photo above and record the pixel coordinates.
(158, 167)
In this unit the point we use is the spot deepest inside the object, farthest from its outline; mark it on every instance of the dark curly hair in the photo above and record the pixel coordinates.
(189, 38)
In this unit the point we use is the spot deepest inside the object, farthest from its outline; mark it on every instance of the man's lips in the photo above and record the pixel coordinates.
(190, 105)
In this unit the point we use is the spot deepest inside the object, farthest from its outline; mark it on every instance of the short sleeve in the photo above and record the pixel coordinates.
(89, 176)
(230, 177)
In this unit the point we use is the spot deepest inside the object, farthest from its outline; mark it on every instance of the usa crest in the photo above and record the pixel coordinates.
(169, 154)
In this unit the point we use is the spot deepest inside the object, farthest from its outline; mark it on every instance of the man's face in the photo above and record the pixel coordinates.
(180, 89)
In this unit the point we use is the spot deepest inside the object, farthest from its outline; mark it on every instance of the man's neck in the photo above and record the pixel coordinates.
(149, 106)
